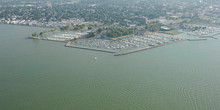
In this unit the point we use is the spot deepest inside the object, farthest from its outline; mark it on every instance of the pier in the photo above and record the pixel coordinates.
(86, 48)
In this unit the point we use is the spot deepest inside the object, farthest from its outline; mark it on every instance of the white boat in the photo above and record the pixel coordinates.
(95, 58)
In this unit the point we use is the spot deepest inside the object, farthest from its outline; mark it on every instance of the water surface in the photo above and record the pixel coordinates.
(45, 75)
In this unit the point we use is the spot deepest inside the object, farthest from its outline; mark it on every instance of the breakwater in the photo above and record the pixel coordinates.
(216, 34)
(68, 44)
(146, 48)
(196, 39)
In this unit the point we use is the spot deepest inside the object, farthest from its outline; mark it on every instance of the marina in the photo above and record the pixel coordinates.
(121, 46)
(125, 43)
(128, 44)
(151, 46)
(203, 31)
(86, 48)
(63, 37)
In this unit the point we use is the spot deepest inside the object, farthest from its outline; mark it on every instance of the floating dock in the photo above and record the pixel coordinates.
(86, 48)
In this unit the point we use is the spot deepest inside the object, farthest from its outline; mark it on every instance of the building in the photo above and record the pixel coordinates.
(165, 28)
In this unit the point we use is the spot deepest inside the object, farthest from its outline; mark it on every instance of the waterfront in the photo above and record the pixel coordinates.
(42, 75)
(121, 46)
(127, 44)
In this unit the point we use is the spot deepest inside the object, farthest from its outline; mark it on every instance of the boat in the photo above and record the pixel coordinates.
(95, 58)
(159, 42)
(151, 44)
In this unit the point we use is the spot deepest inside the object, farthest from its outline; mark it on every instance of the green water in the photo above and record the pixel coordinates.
(45, 75)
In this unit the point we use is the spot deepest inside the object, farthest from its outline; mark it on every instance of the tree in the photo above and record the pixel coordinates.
(89, 28)
(113, 32)
(41, 33)
(64, 28)
(90, 35)
(34, 34)
(99, 30)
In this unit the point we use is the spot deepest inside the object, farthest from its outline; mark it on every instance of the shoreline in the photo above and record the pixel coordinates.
(68, 44)
(27, 25)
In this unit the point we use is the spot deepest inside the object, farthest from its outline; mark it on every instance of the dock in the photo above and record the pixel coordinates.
(68, 44)
(86, 48)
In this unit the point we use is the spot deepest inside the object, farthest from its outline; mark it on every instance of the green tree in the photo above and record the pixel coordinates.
(99, 30)
(90, 35)
(89, 28)
(34, 34)
(41, 33)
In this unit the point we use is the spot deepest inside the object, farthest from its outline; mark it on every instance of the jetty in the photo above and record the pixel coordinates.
(68, 44)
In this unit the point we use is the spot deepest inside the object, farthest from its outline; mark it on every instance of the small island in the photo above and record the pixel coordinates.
(35, 35)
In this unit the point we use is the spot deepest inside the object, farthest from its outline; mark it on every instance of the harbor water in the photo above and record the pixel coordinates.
(46, 75)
